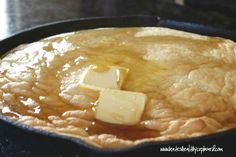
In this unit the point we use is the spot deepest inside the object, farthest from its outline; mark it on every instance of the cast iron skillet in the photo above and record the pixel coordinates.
(17, 140)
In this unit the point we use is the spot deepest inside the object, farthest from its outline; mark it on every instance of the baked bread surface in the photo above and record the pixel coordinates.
(189, 79)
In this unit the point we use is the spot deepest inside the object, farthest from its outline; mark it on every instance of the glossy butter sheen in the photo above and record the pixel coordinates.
(189, 81)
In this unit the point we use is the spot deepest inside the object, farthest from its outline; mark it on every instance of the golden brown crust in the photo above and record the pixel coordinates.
(190, 81)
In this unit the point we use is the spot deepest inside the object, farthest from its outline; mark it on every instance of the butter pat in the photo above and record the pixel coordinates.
(120, 107)
(100, 77)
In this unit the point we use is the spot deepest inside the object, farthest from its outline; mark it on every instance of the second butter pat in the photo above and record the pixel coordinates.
(120, 107)
(98, 78)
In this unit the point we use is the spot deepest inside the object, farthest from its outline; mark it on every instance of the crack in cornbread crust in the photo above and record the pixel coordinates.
(189, 80)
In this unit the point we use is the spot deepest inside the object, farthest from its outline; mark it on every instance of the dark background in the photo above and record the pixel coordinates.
(17, 15)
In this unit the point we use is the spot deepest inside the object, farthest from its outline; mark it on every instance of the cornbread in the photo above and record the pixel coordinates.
(189, 81)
